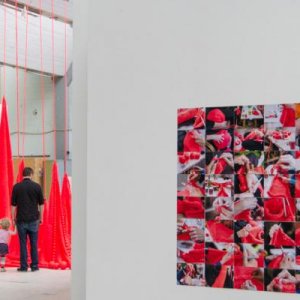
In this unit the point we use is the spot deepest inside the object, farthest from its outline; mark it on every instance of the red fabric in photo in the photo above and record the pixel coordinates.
(186, 114)
(255, 236)
(195, 255)
(185, 236)
(298, 259)
(226, 140)
(280, 239)
(6, 163)
(190, 144)
(244, 215)
(216, 115)
(238, 258)
(285, 287)
(199, 119)
(242, 274)
(220, 166)
(279, 188)
(287, 118)
(220, 280)
(280, 209)
(58, 248)
(214, 256)
(275, 263)
(297, 185)
(219, 232)
(297, 237)
(191, 208)
(66, 199)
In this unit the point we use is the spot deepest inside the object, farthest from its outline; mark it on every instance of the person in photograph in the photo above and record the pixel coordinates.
(219, 140)
(249, 139)
(280, 234)
(249, 232)
(248, 185)
(220, 209)
(219, 276)
(279, 186)
(219, 185)
(190, 229)
(190, 252)
(280, 162)
(219, 163)
(220, 118)
(283, 281)
(251, 279)
(281, 259)
(248, 209)
(27, 213)
(249, 162)
(194, 185)
(219, 254)
(190, 274)
(219, 231)
(191, 118)
(281, 115)
(251, 116)
(280, 139)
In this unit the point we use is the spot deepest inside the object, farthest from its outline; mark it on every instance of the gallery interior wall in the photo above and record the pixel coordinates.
(146, 59)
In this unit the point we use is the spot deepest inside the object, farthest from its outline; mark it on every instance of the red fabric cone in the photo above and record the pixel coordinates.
(20, 171)
(6, 163)
(66, 198)
(56, 248)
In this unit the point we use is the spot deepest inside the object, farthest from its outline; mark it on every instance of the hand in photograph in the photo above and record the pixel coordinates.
(248, 285)
(244, 204)
(286, 162)
(197, 234)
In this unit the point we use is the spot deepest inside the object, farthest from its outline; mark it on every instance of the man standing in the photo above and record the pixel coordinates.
(27, 213)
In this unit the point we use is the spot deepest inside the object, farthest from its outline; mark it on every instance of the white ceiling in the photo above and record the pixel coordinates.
(34, 53)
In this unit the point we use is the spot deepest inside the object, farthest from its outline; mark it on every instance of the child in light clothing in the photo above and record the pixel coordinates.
(5, 234)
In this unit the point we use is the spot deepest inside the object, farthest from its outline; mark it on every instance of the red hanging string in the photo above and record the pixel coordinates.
(17, 78)
(25, 80)
(53, 84)
(4, 50)
(65, 94)
(42, 93)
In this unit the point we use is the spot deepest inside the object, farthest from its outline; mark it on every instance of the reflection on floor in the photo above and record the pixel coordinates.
(44, 284)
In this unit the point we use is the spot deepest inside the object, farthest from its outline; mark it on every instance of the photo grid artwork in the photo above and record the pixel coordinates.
(238, 197)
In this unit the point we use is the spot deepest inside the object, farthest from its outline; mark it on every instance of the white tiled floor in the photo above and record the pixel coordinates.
(41, 285)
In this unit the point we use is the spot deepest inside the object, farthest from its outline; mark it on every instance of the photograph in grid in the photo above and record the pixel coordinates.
(238, 197)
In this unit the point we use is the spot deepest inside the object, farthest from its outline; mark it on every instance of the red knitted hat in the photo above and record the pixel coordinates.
(216, 115)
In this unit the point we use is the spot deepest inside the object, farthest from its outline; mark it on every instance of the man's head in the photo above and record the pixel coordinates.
(27, 172)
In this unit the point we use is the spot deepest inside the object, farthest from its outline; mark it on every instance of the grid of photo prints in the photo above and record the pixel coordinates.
(238, 197)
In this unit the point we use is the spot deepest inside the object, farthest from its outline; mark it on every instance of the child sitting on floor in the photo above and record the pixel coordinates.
(5, 234)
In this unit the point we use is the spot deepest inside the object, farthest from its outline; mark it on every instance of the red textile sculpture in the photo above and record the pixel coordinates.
(6, 163)
(66, 199)
(56, 247)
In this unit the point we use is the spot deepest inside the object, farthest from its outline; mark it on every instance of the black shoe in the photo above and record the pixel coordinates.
(21, 270)
(34, 269)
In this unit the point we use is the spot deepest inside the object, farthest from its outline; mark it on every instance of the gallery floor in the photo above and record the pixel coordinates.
(42, 285)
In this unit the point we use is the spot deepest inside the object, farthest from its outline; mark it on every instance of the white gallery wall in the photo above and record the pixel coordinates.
(135, 63)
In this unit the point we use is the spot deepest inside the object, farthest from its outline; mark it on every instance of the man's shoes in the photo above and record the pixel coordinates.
(34, 269)
(21, 270)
